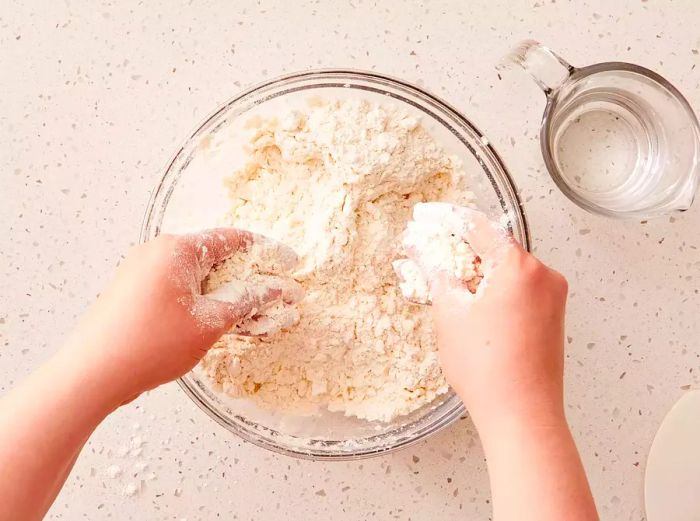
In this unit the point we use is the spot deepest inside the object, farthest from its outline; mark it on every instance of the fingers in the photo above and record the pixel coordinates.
(488, 239)
(292, 291)
(258, 286)
(448, 243)
(215, 245)
(245, 303)
(268, 323)
(218, 315)
(435, 242)
(278, 257)
(483, 235)
(261, 305)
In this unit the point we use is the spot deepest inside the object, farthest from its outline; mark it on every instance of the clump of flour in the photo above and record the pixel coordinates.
(337, 182)
(435, 239)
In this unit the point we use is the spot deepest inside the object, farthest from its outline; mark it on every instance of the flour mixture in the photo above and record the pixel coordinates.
(337, 182)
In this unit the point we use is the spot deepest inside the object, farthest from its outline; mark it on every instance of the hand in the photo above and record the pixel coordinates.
(152, 325)
(501, 349)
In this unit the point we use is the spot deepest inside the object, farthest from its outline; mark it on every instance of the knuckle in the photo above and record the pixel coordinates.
(560, 282)
(563, 285)
(532, 266)
(563, 282)
(536, 269)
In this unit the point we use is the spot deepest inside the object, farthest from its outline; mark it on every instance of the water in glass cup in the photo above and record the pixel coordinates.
(618, 139)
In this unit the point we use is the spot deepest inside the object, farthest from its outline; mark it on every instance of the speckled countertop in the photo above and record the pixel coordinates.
(97, 95)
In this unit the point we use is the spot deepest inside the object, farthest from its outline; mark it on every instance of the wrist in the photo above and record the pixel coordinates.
(89, 376)
(519, 414)
(521, 426)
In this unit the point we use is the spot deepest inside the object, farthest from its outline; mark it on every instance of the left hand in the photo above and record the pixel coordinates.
(152, 325)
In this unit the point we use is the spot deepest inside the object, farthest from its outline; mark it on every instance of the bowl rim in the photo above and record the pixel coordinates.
(509, 187)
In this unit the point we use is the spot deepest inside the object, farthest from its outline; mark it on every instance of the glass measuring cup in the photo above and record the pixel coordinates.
(617, 139)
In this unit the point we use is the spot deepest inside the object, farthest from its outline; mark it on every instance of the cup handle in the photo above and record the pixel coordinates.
(548, 69)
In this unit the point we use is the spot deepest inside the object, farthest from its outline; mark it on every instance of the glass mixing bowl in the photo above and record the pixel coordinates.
(191, 196)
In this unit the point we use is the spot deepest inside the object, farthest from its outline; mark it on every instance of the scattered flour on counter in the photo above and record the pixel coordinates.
(132, 472)
(114, 471)
(131, 489)
(337, 182)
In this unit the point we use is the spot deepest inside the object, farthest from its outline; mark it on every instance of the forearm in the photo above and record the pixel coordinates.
(535, 471)
(43, 425)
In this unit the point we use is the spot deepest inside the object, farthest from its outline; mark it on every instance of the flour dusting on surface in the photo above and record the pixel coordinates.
(337, 182)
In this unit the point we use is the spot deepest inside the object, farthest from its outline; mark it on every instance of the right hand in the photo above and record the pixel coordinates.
(502, 349)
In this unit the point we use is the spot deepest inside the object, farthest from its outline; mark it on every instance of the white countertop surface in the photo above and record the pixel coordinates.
(96, 96)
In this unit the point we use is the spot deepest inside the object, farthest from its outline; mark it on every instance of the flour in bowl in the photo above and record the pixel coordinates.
(337, 182)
